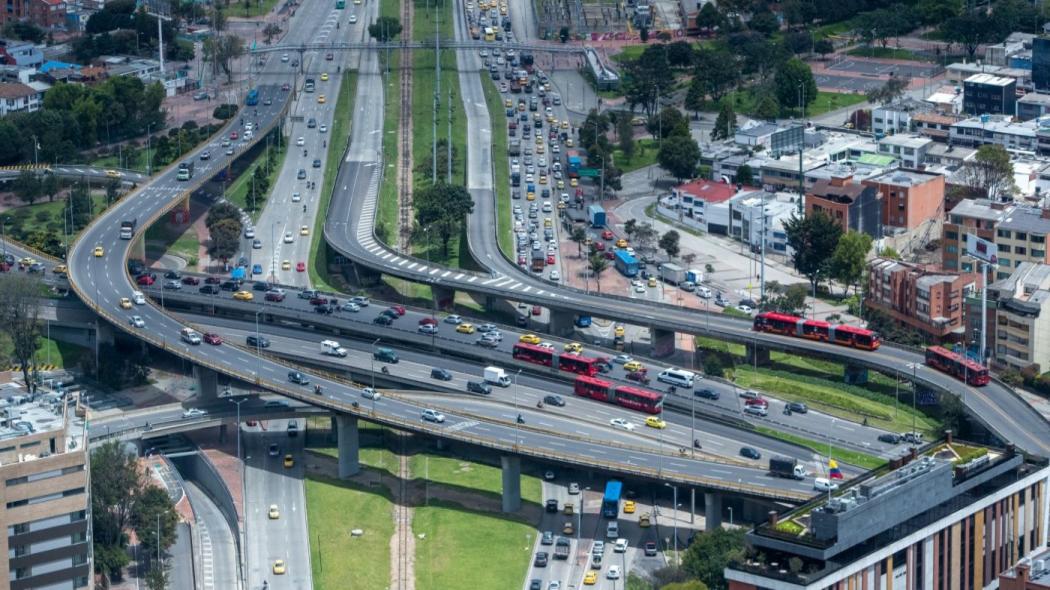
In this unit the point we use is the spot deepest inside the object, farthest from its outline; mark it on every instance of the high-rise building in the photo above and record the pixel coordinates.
(44, 486)
(985, 94)
(929, 300)
(1041, 64)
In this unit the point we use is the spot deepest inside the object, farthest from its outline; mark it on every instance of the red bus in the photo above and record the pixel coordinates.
(841, 334)
(957, 365)
(627, 396)
(581, 365)
(533, 354)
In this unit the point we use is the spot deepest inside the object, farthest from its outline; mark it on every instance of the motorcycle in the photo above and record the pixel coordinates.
(696, 443)
(520, 419)
(304, 208)
(317, 389)
(539, 405)
(385, 370)
(304, 153)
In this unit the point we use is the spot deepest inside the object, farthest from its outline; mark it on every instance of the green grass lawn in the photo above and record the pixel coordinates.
(45, 216)
(386, 207)
(340, 134)
(460, 472)
(237, 192)
(133, 159)
(859, 459)
(501, 174)
(162, 238)
(252, 8)
(885, 53)
(338, 560)
(459, 545)
(50, 352)
(825, 101)
(644, 155)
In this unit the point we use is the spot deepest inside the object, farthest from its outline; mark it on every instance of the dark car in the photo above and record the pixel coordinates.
(890, 438)
(317, 163)
(298, 378)
(706, 393)
(552, 505)
(536, 584)
(440, 374)
(479, 387)
(208, 290)
(541, 559)
(259, 341)
(797, 407)
(323, 309)
(389, 313)
(547, 538)
(172, 274)
(554, 400)
(639, 376)
(212, 281)
(383, 320)
(750, 453)
(274, 296)
(194, 281)
(260, 287)
(319, 300)
(212, 338)
(230, 285)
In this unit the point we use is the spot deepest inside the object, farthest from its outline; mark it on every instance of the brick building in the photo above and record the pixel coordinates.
(853, 205)
(980, 217)
(909, 198)
(928, 300)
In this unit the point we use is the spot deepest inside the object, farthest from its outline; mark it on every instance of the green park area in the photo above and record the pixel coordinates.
(500, 173)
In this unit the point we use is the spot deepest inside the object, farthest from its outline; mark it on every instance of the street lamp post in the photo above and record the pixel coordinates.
(914, 390)
(238, 402)
(373, 361)
(674, 489)
(258, 342)
(517, 410)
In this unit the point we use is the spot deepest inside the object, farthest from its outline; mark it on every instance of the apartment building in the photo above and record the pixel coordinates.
(896, 116)
(1031, 573)
(1021, 237)
(44, 485)
(16, 97)
(926, 522)
(910, 150)
(1022, 317)
(980, 217)
(985, 94)
(752, 215)
(852, 205)
(995, 130)
(936, 126)
(910, 198)
(926, 299)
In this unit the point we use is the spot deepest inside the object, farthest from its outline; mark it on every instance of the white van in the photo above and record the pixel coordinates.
(677, 377)
(612, 531)
(138, 298)
(703, 292)
(823, 484)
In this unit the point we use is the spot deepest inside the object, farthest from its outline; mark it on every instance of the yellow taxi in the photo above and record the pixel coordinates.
(561, 183)
(530, 196)
(465, 328)
(324, 76)
(125, 303)
(618, 332)
(573, 347)
(590, 578)
(274, 513)
(632, 366)
(540, 149)
(569, 142)
(655, 422)
(543, 179)
(551, 119)
(320, 99)
(539, 140)
(60, 269)
(561, 205)
(99, 252)
(289, 461)
(26, 262)
(547, 222)
(652, 281)
(113, 174)
(278, 567)
(243, 295)
(304, 231)
(574, 182)
(565, 124)
(508, 104)
(621, 243)
(529, 339)
(628, 507)
(286, 265)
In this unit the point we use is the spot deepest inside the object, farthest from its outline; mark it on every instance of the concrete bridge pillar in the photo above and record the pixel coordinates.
(663, 342)
(360, 275)
(349, 445)
(138, 248)
(207, 383)
(511, 482)
(561, 323)
(854, 375)
(713, 510)
(444, 297)
(757, 355)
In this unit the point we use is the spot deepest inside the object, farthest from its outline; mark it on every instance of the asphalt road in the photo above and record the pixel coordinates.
(218, 550)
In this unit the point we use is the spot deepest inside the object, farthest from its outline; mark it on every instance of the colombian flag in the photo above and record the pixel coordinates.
(833, 469)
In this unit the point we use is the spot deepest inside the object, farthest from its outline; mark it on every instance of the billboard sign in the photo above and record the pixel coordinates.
(981, 249)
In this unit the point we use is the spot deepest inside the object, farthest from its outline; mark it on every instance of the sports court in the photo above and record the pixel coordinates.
(846, 83)
(885, 68)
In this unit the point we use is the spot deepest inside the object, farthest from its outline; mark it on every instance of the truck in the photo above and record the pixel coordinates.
(185, 170)
(332, 348)
(671, 273)
(694, 276)
(497, 376)
(127, 228)
(539, 261)
(625, 263)
(786, 467)
(573, 163)
(596, 215)
(515, 147)
(515, 178)
(561, 548)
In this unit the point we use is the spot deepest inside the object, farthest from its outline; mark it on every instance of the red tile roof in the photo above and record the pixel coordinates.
(710, 191)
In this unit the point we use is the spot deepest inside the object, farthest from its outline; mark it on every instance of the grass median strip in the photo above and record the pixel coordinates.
(501, 175)
(856, 458)
(460, 472)
(339, 560)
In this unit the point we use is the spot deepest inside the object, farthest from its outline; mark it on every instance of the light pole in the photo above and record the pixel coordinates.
(238, 402)
(373, 361)
(258, 342)
(915, 389)
(517, 410)
(273, 253)
(674, 489)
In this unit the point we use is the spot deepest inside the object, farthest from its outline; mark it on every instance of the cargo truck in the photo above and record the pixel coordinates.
(671, 273)
(561, 548)
(539, 261)
(497, 376)
(625, 263)
(185, 170)
(694, 276)
(573, 163)
(332, 348)
(127, 228)
(596, 215)
(786, 467)
(515, 148)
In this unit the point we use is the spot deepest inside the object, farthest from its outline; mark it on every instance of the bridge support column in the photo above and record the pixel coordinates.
(138, 248)
(854, 375)
(712, 511)
(561, 323)
(207, 383)
(757, 355)
(444, 297)
(349, 445)
(663, 342)
(511, 483)
(361, 276)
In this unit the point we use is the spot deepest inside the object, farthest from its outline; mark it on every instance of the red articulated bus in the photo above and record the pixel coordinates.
(627, 396)
(957, 365)
(581, 365)
(533, 354)
(841, 334)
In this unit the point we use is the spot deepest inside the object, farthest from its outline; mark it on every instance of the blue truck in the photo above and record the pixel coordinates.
(596, 215)
(625, 263)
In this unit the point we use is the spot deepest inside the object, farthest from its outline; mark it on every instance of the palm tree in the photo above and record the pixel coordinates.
(579, 235)
(597, 263)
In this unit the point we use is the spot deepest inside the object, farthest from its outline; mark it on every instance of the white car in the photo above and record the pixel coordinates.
(555, 276)
(193, 413)
(296, 197)
(288, 237)
(138, 298)
(622, 359)
(621, 423)
(353, 19)
(613, 573)
(369, 393)
(300, 142)
(323, 128)
(620, 546)
(351, 306)
(433, 416)
(546, 345)
(137, 321)
(823, 484)
(454, 319)
(745, 308)
(428, 329)
(639, 289)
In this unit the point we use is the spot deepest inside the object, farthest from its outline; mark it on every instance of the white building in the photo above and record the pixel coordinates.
(16, 97)
(909, 149)
(746, 213)
(995, 130)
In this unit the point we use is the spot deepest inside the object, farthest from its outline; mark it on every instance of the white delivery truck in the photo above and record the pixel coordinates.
(332, 348)
(497, 376)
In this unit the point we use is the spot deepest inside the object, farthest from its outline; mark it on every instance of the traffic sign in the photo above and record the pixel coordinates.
(591, 172)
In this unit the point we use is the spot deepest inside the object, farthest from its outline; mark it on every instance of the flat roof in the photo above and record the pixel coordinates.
(990, 80)
(904, 177)
(906, 140)
(1026, 219)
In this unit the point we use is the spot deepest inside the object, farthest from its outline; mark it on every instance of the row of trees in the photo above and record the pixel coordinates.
(224, 227)
(441, 208)
(122, 27)
(813, 236)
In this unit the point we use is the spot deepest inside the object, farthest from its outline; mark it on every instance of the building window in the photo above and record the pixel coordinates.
(1021, 235)
(1002, 233)
(1020, 250)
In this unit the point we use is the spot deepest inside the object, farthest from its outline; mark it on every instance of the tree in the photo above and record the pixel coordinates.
(625, 136)
(645, 236)
(799, 42)
(932, 12)
(20, 315)
(670, 243)
(270, 31)
(386, 28)
(789, 300)
(112, 191)
(889, 252)
(766, 107)
(679, 156)
(680, 54)
(710, 553)
(794, 81)
(691, 585)
(726, 121)
(799, 12)
(823, 47)
(50, 187)
(764, 23)
(220, 212)
(79, 208)
(709, 18)
(114, 476)
(847, 261)
(158, 577)
(890, 90)
(597, 265)
(578, 235)
(443, 207)
(224, 112)
(629, 227)
(153, 509)
(220, 51)
(670, 122)
(225, 238)
(744, 175)
(694, 96)
(989, 174)
(258, 188)
(968, 30)
(27, 186)
(716, 73)
(811, 238)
